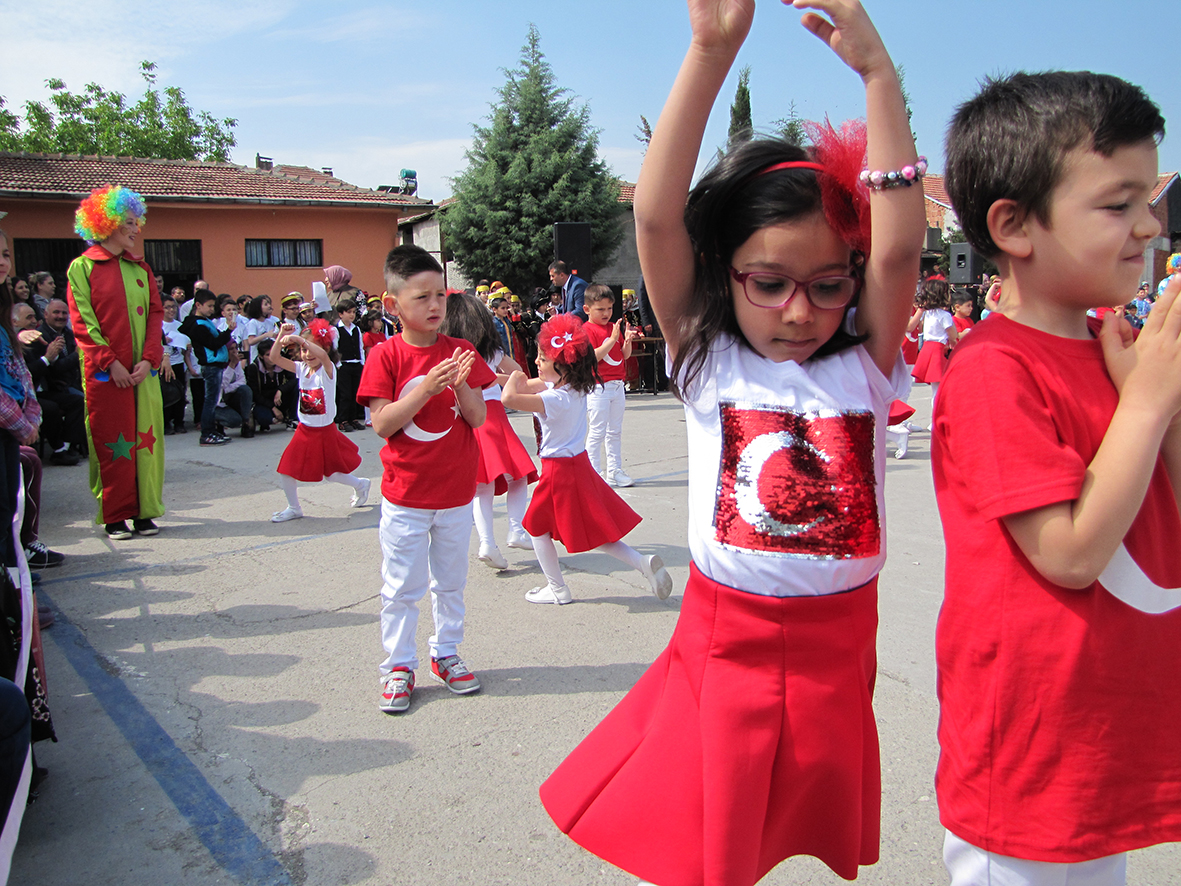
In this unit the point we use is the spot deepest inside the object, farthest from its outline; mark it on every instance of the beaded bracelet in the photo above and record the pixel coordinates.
(907, 175)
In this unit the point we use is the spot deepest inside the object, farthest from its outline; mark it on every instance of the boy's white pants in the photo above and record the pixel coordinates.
(972, 866)
(604, 415)
(422, 550)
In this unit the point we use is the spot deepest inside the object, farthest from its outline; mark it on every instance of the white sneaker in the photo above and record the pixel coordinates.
(360, 496)
(913, 426)
(491, 555)
(546, 594)
(288, 513)
(658, 577)
(520, 540)
(620, 478)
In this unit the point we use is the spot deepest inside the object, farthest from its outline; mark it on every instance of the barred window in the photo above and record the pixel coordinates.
(284, 253)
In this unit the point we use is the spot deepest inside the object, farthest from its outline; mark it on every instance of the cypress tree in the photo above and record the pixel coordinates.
(534, 163)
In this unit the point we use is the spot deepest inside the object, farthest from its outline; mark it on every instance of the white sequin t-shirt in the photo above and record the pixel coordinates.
(786, 466)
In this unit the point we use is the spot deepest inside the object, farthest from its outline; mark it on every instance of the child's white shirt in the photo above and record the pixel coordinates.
(936, 323)
(786, 469)
(317, 396)
(563, 427)
(493, 391)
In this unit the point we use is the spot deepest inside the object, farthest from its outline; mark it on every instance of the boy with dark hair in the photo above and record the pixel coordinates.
(1059, 640)
(210, 346)
(349, 415)
(423, 393)
(604, 405)
(962, 303)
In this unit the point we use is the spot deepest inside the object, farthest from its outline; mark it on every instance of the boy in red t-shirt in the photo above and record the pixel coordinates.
(604, 405)
(1057, 462)
(962, 303)
(423, 393)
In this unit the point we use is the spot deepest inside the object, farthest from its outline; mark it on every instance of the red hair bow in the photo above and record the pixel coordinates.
(562, 339)
(321, 332)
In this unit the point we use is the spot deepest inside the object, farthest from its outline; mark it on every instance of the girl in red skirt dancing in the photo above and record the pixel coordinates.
(505, 466)
(317, 451)
(572, 503)
(752, 737)
(939, 332)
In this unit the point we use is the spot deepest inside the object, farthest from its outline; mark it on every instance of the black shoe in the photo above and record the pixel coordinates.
(145, 527)
(180, 428)
(264, 429)
(169, 430)
(247, 431)
(358, 425)
(39, 556)
(214, 439)
(64, 457)
(118, 531)
(345, 427)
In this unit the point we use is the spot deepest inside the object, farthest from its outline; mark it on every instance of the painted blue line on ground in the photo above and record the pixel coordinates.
(227, 837)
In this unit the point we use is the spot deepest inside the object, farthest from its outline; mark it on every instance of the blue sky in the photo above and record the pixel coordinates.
(370, 87)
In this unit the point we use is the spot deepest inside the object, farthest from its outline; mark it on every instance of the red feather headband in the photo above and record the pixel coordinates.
(837, 159)
(321, 332)
(562, 339)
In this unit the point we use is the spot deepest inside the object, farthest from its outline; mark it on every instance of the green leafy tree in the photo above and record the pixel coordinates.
(741, 126)
(534, 164)
(97, 121)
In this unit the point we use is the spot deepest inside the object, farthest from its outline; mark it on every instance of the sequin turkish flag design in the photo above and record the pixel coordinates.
(311, 401)
(795, 484)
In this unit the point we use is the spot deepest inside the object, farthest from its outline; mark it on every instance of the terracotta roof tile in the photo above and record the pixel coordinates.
(1162, 184)
(74, 176)
(627, 192)
(933, 189)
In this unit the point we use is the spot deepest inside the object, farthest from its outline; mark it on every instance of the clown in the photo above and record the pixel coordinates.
(117, 315)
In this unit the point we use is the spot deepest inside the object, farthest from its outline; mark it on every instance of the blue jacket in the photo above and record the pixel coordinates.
(573, 297)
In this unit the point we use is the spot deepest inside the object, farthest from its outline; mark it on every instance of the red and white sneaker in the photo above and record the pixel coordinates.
(451, 671)
(396, 687)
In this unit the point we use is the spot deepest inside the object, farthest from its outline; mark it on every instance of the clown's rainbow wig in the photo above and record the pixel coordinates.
(100, 214)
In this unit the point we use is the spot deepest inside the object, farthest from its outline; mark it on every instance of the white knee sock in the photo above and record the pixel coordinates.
(626, 553)
(290, 489)
(345, 480)
(482, 512)
(547, 559)
(517, 501)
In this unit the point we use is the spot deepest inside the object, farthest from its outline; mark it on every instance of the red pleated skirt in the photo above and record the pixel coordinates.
(751, 739)
(502, 454)
(900, 411)
(910, 350)
(576, 506)
(316, 453)
(932, 363)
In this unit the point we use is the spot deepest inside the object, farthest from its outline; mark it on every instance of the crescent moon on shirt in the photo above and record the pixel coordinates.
(410, 429)
(608, 359)
(746, 484)
(1125, 580)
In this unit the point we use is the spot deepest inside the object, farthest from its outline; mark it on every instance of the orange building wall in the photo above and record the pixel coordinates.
(358, 239)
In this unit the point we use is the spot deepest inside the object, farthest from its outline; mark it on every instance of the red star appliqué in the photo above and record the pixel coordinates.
(147, 440)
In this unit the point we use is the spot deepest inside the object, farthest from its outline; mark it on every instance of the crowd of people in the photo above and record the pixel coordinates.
(1056, 455)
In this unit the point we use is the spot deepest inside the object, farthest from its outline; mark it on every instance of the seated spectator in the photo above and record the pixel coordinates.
(236, 406)
(274, 391)
(62, 409)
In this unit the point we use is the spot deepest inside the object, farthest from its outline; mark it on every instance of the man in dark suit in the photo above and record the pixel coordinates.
(51, 354)
(573, 289)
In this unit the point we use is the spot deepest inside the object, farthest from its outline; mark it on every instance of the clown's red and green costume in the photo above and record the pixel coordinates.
(116, 314)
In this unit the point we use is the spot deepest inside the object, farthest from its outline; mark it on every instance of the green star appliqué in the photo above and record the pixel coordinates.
(121, 448)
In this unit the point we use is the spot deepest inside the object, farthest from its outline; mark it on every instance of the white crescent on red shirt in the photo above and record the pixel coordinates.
(431, 462)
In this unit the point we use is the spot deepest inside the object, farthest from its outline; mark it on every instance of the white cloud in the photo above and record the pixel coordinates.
(104, 41)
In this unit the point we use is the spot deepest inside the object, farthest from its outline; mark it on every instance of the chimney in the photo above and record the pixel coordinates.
(261, 162)
(327, 170)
